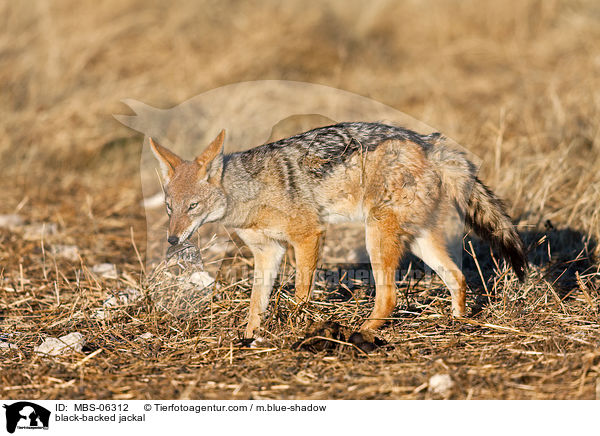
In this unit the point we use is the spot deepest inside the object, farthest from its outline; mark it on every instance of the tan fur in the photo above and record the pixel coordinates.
(169, 161)
(213, 149)
(401, 190)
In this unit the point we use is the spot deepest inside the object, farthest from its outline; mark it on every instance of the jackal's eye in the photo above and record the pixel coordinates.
(193, 206)
(169, 210)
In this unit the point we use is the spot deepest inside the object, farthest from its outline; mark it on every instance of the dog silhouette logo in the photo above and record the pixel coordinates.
(26, 415)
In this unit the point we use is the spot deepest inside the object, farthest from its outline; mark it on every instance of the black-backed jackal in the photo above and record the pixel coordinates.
(400, 184)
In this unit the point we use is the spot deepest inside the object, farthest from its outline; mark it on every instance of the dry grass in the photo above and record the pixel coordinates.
(515, 82)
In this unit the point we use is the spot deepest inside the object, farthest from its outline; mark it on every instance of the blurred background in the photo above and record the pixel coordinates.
(515, 82)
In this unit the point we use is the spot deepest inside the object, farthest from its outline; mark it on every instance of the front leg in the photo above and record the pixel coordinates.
(267, 258)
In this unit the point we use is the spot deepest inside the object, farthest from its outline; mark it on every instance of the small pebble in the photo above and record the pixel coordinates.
(69, 252)
(106, 270)
(123, 298)
(441, 384)
(37, 231)
(10, 220)
(7, 345)
(73, 342)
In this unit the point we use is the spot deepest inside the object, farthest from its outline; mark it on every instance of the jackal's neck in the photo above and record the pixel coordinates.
(241, 189)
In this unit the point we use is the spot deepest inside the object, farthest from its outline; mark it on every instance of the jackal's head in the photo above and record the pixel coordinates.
(193, 192)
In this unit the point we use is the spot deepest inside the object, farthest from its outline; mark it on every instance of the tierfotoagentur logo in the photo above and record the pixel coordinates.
(25, 415)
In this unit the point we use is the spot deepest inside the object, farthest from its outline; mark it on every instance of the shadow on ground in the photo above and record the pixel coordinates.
(556, 257)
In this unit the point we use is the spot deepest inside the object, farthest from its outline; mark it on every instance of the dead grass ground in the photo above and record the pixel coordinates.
(515, 82)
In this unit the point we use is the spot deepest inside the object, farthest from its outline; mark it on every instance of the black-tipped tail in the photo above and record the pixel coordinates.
(486, 215)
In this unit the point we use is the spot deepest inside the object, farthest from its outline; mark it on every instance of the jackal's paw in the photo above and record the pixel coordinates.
(366, 341)
(370, 325)
(456, 313)
(246, 342)
(253, 326)
(256, 342)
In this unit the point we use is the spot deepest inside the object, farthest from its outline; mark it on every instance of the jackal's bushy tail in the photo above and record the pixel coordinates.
(484, 212)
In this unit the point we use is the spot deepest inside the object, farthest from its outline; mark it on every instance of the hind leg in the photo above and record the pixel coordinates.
(432, 250)
(306, 250)
(385, 247)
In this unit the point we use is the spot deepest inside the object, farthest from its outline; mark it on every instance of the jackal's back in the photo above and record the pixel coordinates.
(318, 151)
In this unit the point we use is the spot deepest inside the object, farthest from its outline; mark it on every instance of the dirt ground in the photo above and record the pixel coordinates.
(515, 82)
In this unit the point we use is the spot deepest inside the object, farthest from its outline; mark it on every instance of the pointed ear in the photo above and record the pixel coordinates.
(167, 159)
(211, 159)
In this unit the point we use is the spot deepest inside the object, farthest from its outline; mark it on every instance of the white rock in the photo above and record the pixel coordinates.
(73, 342)
(201, 279)
(37, 231)
(113, 301)
(123, 298)
(30, 232)
(130, 295)
(7, 346)
(10, 221)
(69, 252)
(258, 342)
(145, 336)
(441, 384)
(106, 270)
(100, 314)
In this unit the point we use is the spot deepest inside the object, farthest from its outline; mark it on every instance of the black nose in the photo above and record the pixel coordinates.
(173, 240)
